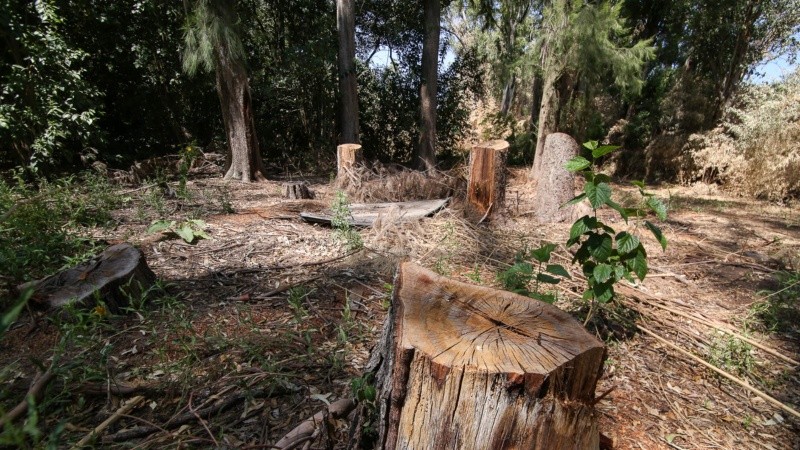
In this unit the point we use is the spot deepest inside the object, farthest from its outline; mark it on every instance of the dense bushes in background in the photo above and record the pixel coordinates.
(756, 149)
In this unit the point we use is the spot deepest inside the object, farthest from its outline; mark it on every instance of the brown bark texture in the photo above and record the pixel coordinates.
(425, 157)
(297, 191)
(118, 274)
(556, 185)
(233, 89)
(468, 367)
(348, 89)
(486, 188)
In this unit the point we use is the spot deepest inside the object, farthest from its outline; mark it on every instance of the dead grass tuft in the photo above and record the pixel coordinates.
(394, 183)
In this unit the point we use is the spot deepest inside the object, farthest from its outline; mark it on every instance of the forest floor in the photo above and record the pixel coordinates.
(271, 318)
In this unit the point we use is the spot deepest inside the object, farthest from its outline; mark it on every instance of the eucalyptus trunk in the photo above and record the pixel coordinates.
(233, 88)
(425, 158)
(348, 112)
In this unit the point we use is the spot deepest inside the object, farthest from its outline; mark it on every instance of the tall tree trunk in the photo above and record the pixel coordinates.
(233, 89)
(508, 95)
(348, 113)
(425, 158)
(737, 64)
(536, 104)
(548, 119)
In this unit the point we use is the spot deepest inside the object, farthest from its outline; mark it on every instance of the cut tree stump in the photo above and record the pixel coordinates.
(114, 276)
(557, 184)
(348, 157)
(468, 367)
(486, 189)
(296, 191)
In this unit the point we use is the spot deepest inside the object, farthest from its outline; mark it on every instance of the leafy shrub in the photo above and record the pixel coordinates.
(45, 227)
(519, 276)
(605, 255)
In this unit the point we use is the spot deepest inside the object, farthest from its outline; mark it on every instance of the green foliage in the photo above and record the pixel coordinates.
(189, 230)
(44, 227)
(342, 230)
(605, 255)
(519, 276)
(778, 310)
(296, 299)
(731, 354)
(48, 107)
(211, 30)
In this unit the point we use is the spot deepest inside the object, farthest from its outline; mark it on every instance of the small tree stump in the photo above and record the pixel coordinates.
(557, 185)
(114, 276)
(467, 367)
(486, 189)
(348, 157)
(296, 191)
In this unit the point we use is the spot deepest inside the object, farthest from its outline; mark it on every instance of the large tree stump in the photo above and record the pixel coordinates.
(556, 185)
(115, 276)
(467, 367)
(486, 189)
(348, 157)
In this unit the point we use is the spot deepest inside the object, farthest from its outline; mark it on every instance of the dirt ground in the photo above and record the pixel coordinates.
(271, 318)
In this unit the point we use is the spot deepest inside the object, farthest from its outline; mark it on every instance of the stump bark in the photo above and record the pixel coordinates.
(348, 157)
(556, 184)
(118, 274)
(467, 367)
(487, 180)
(296, 191)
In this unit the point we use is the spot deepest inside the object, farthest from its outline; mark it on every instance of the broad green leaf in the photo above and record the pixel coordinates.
(597, 193)
(161, 225)
(639, 184)
(197, 223)
(590, 145)
(626, 243)
(547, 298)
(602, 272)
(588, 268)
(658, 207)
(637, 262)
(545, 278)
(616, 207)
(558, 269)
(575, 200)
(657, 233)
(600, 246)
(603, 292)
(542, 254)
(186, 233)
(602, 178)
(581, 226)
(577, 163)
(201, 234)
(603, 150)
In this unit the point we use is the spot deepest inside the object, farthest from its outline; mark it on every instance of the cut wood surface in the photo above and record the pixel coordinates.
(348, 156)
(120, 272)
(478, 368)
(487, 179)
(366, 214)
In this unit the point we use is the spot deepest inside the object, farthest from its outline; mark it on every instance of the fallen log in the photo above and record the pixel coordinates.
(306, 429)
(468, 367)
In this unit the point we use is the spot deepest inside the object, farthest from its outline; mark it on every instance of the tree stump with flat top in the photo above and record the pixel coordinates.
(348, 157)
(486, 188)
(461, 366)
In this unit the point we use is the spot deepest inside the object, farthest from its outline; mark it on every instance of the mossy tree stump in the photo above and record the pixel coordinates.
(486, 188)
(467, 367)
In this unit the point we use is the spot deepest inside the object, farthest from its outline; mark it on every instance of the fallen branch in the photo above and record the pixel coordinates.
(125, 409)
(285, 287)
(719, 371)
(305, 430)
(185, 418)
(712, 325)
(36, 392)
